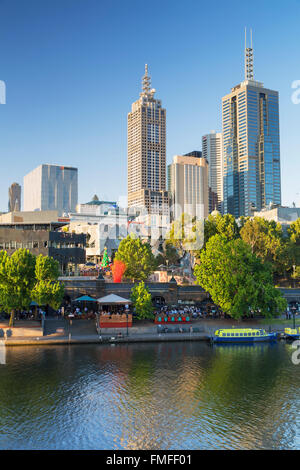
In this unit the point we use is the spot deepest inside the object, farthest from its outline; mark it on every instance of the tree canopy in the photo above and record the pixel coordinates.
(222, 225)
(142, 301)
(25, 277)
(138, 258)
(47, 289)
(265, 239)
(268, 240)
(186, 234)
(237, 280)
(294, 231)
(168, 255)
(17, 276)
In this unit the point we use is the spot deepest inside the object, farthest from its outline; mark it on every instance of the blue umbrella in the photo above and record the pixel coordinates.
(85, 298)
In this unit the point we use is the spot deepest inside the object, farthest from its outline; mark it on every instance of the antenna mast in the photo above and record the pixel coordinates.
(146, 82)
(249, 74)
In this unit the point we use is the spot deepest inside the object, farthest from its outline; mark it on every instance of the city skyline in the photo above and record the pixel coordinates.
(29, 140)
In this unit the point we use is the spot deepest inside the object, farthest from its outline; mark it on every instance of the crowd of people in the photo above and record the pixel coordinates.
(35, 314)
(77, 312)
(206, 310)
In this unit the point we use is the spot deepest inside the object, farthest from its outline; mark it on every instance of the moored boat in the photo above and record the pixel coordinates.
(242, 335)
(292, 333)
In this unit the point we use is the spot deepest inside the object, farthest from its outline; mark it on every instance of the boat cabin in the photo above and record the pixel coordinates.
(244, 332)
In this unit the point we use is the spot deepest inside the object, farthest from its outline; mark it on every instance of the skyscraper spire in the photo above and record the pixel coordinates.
(146, 81)
(249, 75)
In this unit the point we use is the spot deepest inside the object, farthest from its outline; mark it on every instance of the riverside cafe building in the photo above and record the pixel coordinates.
(114, 312)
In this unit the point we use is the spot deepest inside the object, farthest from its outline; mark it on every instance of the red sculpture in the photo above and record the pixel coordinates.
(118, 269)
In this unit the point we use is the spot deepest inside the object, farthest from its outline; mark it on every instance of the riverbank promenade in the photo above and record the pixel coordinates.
(62, 331)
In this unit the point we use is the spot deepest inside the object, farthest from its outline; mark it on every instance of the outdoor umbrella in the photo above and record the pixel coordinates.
(85, 299)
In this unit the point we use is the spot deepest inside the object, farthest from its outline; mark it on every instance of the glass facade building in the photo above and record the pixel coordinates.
(212, 151)
(51, 187)
(251, 149)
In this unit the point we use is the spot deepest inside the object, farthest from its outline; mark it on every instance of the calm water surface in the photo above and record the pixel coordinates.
(150, 396)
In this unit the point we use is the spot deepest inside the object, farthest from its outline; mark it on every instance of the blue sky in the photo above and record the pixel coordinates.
(73, 67)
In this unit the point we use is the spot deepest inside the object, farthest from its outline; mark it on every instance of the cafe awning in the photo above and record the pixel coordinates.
(112, 299)
(85, 298)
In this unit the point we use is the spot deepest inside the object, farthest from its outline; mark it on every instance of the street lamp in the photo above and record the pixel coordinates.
(293, 309)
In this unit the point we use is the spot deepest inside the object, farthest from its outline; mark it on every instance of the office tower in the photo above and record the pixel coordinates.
(212, 151)
(51, 187)
(251, 149)
(194, 153)
(14, 198)
(147, 152)
(188, 186)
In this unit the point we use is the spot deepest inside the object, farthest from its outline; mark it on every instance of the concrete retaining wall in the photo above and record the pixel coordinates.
(16, 332)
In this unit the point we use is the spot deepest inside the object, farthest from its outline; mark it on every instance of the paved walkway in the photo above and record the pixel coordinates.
(95, 339)
(62, 331)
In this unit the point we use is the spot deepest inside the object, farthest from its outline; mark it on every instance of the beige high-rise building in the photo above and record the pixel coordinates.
(147, 152)
(188, 186)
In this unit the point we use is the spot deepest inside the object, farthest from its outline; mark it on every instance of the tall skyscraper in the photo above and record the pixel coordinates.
(212, 151)
(188, 186)
(147, 152)
(14, 198)
(51, 187)
(251, 148)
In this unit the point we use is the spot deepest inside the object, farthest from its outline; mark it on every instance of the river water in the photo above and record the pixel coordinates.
(150, 396)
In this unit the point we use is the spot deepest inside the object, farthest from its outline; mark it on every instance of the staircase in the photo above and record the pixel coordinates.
(52, 324)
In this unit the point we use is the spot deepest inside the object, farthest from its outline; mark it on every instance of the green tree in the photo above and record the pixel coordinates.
(236, 279)
(138, 258)
(46, 268)
(25, 277)
(294, 231)
(3, 264)
(105, 259)
(291, 255)
(266, 240)
(186, 234)
(159, 259)
(47, 290)
(171, 253)
(168, 256)
(17, 276)
(142, 301)
(220, 225)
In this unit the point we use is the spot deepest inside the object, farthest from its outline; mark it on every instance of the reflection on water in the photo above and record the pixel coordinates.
(150, 396)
